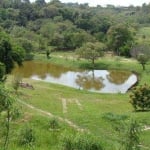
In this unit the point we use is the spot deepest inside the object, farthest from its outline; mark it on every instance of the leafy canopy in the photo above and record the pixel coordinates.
(91, 51)
(120, 39)
(9, 53)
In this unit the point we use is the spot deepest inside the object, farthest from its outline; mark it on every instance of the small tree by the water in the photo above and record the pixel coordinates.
(48, 52)
(143, 59)
(140, 98)
(141, 53)
(91, 51)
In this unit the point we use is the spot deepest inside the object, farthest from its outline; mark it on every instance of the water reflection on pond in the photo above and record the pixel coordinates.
(103, 81)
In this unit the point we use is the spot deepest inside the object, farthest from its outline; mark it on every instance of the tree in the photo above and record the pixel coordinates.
(50, 11)
(9, 54)
(141, 53)
(91, 51)
(140, 97)
(120, 36)
(48, 52)
(26, 12)
(27, 45)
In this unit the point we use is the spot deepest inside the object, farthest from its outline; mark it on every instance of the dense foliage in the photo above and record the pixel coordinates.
(140, 97)
(41, 26)
(9, 54)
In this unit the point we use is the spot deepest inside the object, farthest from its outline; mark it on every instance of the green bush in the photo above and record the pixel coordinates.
(67, 142)
(27, 137)
(128, 135)
(114, 117)
(15, 113)
(53, 124)
(80, 141)
(140, 97)
(87, 142)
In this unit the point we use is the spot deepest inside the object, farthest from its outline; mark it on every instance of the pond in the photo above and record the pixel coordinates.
(103, 81)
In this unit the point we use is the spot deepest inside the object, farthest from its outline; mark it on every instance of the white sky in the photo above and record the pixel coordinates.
(105, 2)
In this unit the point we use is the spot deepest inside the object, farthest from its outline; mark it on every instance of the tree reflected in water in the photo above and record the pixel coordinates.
(118, 77)
(89, 81)
(30, 68)
(96, 80)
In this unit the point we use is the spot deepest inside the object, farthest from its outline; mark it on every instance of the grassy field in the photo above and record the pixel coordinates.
(96, 113)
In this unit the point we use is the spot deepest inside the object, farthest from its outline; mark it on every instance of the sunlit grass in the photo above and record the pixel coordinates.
(85, 109)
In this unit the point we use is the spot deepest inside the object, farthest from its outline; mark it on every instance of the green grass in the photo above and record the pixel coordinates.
(44, 137)
(95, 107)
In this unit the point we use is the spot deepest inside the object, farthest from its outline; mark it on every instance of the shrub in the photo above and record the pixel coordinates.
(140, 97)
(87, 142)
(114, 117)
(27, 137)
(67, 142)
(132, 136)
(53, 124)
(81, 141)
(129, 135)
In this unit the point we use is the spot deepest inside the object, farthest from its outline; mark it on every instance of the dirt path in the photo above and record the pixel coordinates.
(146, 128)
(64, 105)
(46, 113)
(78, 104)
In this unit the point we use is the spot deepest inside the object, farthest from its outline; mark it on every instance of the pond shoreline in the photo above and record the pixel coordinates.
(102, 81)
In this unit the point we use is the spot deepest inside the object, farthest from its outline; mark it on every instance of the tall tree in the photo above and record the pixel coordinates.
(9, 54)
(119, 37)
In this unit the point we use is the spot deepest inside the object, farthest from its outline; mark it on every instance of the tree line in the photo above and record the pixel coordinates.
(26, 28)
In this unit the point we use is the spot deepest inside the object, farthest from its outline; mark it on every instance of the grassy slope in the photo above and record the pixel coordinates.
(95, 106)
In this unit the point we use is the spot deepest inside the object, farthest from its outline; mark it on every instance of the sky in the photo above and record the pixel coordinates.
(105, 2)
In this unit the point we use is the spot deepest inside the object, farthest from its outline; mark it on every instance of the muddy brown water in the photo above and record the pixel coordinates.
(103, 81)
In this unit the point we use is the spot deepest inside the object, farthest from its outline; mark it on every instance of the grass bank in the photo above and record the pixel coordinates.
(97, 113)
